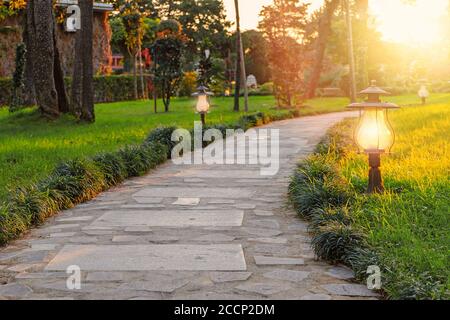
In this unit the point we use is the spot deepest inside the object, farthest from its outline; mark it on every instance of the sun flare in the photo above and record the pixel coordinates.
(417, 23)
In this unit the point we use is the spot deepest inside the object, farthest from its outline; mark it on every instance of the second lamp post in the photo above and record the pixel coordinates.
(203, 104)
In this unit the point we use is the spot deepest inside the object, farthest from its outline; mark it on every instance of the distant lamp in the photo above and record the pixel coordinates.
(374, 134)
(423, 92)
(203, 104)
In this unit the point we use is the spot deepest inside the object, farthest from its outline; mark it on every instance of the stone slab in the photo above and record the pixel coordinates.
(14, 290)
(223, 174)
(264, 289)
(220, 277)
(223, 257)
(269, 240)
(215, 238)
(187, 202)
(341, 273)
(350, 290)
(146, 200)
(172, 218)
(287, 275)
(275, 261)
(76, 219)
(180, 192)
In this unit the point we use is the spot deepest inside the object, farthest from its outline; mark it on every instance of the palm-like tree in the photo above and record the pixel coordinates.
(240, 63)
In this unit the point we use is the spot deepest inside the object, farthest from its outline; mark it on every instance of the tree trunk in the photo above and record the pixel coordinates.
(351, 55)
(237, 80)
(77, 76)
(63, 103)
(29, 94)
(141, 74)
(321, 45)
(135, 85)
(40, 27)
(87, 23)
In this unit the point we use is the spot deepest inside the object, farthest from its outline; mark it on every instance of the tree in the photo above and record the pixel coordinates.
(87, 24)
(283, 25)
(255, 48)
(201, 20)
(168, 53)
(324, 32)
(46, 69)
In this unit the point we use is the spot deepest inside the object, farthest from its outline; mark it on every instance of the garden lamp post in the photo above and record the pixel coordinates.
(374, 134)
(203, 105)
(423, 92)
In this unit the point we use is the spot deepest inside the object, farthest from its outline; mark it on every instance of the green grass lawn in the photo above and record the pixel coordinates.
(408, 226)
(30, 147)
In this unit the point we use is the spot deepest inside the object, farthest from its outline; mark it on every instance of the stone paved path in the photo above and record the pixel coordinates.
(185, 232)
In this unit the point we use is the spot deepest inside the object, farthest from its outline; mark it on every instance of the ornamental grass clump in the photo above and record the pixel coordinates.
(317, 184)
(163, 135)
(335, 240)
(112, 166)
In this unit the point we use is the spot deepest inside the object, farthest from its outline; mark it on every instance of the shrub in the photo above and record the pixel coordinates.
(317, 185)
(321, 217)
(11, 224)
(163, 135)
(335, 241)
(33, 205)
(78, 180)
(133, 160)
(112, 166)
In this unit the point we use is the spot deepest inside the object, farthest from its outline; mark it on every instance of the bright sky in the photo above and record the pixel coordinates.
(396, 20)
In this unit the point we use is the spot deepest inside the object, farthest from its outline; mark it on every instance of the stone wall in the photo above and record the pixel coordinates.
(11, 31)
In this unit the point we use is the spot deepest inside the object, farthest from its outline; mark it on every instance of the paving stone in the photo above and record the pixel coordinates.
(146, 200)
(104, 276)
(76, 219)
(351, 290)
(138, 229)
(262, 232)
(31, 256)
(287, 275)
(172, 218)
(62, 234)
(61, 285)
(274, 261)
(23, 267)
(221, 257)
(187, 202)
(179, 192)
(263, 213)
(142, 206)
(245, 206)
(42, 247)
(265, 224)
(84, 240)
(193, 180)
(271, 249)
(41, 275)
(269, 240)
(298, 227)
(220, 277)
(14, 290)
(130, 239)
(159, 239)
(223, 201)
(340, 273)
(9, 255)
(316, 297)
(64, 226)
(155, 285)
(215, 238)
(264, 289)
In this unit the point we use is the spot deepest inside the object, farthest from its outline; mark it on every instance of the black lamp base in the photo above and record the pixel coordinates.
(375, 179)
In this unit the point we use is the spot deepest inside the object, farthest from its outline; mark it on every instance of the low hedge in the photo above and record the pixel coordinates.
(76, 181)
(112, 88)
